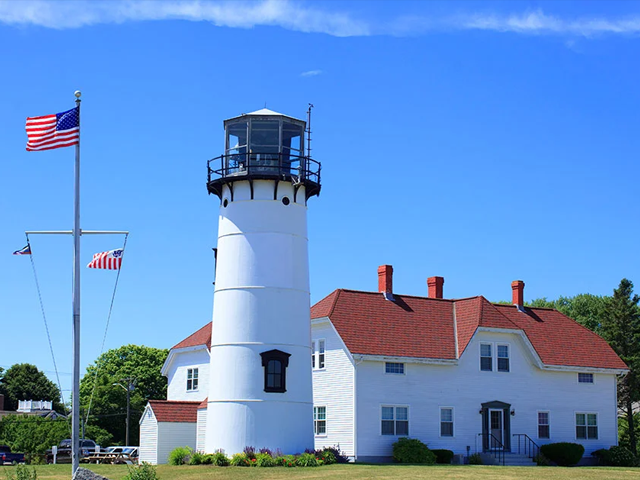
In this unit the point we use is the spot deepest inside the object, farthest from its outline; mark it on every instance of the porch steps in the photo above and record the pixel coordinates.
(516, 460)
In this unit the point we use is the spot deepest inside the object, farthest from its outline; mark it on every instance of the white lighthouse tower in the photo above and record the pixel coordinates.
(260, 392)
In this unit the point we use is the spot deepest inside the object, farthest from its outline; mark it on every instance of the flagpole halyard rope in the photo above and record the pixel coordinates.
(46, 326)
(104, 338)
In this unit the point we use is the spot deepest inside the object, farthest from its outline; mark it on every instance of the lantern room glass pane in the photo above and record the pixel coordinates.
(264, 133)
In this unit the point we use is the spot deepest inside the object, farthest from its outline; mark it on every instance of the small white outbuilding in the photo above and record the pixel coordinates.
(165, 425)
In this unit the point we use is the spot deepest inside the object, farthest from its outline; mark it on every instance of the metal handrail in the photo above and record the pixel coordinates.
(302, 168)
(495, 448)
(531, 448)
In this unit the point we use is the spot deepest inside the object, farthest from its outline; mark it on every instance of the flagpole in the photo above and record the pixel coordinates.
(75, 409)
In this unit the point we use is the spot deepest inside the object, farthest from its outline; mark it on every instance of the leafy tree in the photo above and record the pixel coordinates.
(621, 328)
(109, 404)
(623, 429)
(24, 381)
(32, 434)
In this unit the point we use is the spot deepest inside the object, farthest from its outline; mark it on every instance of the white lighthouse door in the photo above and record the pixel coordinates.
(496, 428)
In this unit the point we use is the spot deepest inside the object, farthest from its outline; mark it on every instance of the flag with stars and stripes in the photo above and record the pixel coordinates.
(111, 260)
(53, 131)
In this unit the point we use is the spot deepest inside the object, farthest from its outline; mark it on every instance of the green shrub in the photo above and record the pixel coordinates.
(563, 453)
(22, 473)
(265, 460)
(541, 460)
(620, 457)
(180, 455)
(603, 456)
(197, 458)
(307, 460)
(240, 460)
(219, 459)
(475, 459)
(286, 461)
(443, 456)
(412, 450)
(144, 471)
(328, 457)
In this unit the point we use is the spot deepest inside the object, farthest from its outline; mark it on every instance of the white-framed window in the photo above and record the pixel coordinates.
(394, 368)
(486, 357)
(192, 379)
(585, 377)
(317, 354)
(503, 358)
(446, 421)
(586, 426)
(320, 421)
(395, 420)
(543, 425)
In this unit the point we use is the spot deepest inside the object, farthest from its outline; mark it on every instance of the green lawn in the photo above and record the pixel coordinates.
(352, 472)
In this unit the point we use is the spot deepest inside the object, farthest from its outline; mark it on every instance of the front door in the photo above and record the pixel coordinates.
(496, 428)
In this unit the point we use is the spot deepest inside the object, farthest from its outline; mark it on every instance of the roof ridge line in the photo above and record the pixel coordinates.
(501, 314)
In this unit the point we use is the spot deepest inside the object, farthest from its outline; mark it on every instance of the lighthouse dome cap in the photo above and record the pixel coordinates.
(265, 112)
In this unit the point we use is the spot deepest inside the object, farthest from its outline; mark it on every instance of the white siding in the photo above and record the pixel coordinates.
(177, 375)
(201, 429)
(172, 435)
(426, 388)
(148, 437)
(333, 388)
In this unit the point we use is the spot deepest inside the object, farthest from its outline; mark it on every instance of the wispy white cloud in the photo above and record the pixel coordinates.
(236, 14)
(300, 16)
(539, 23)
(311, 73)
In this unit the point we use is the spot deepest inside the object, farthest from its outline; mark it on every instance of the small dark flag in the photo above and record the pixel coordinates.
(23, 251)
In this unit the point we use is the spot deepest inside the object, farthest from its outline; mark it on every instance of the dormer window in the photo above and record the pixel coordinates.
(275, 363)
(192, 379)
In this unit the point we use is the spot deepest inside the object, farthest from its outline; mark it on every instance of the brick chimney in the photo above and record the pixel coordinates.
(385, 279)
(517, 290)
(1, 402)
(435, 286)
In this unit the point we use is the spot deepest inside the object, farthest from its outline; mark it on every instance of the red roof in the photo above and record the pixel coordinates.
(175, 411)
(204, 404)
(424, 328)
(201, 337)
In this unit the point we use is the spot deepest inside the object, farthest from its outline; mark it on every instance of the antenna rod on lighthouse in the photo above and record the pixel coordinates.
(309, 130)
(75, 405)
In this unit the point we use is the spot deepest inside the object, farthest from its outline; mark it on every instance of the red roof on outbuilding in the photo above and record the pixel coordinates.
(175, 411)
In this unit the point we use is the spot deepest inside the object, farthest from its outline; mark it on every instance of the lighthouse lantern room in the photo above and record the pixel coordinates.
(260, 392)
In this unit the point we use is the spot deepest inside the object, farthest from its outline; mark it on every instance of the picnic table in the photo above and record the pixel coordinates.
(110, 458)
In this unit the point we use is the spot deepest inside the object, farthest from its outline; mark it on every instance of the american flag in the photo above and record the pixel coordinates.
(111, 260)
(53, 131)
(23, 251)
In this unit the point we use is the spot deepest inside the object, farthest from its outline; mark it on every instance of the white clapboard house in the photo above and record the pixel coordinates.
(466, 375)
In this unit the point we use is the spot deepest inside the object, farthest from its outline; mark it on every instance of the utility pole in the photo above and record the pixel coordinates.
(129, 385)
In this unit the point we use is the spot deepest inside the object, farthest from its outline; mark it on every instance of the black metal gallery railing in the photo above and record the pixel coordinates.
(264, 164)
(527, 446)
(490, 444)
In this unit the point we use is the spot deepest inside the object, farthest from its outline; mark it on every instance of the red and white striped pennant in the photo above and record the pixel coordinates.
(111, 260)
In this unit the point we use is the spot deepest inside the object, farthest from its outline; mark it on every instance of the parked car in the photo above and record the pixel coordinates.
(87, 447)
(9, 458)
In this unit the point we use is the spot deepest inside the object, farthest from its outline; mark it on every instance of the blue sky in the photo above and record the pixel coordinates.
(480, 141)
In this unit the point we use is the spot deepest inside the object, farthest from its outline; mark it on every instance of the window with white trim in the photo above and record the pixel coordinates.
(585, 377)
(543, 424)
(317, 354)
(192, 379)
(486, 357)
(395, 420)
(446, 422)
(396, 368)
(587, 426)
(503, 358)
(320, 420)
